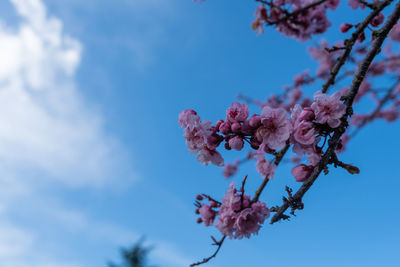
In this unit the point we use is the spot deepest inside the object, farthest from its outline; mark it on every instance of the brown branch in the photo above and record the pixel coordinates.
(365, 3)
(205, 260)
(278, 158)
(349, 43)
(349, 98)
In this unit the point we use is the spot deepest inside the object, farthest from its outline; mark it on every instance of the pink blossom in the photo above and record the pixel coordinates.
(233, 200)
(225, 222)
(232, 203)
(255, 120)
(247, 129)
(357, 119)
(260, 18)
(304, 133)
(395, 33)
(230, 169)
(207, 156)
(214, 140)
(332, 4)
(301, 172)
(325, 58)
(312, 21)
(236, 143)
(265, 168)
(207, 214)
(196, 135)
(307, 114)
(355, 4)
(301, 78)
(295, 114)
(275, 129)
(328, 109)
(239, 218)
(390, 114)
(295, 96)
(377, 20)
(314, 154)
(249, 220)
(188, 117)
(376, 69)
(238, 112)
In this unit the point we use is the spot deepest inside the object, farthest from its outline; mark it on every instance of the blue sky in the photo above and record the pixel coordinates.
(92, 157)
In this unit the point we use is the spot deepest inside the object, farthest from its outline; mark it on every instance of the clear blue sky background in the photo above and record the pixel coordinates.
(143, 61)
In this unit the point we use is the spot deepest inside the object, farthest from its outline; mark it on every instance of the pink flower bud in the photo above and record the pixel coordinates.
(218, 123)
(236, 143)
(376, 21)
(225, 128)
(236, 127)
(301, 172)
(307, 114)
(246, 128)
(345, 27)
(255, 121)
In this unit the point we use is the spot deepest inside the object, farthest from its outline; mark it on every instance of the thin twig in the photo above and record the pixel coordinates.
(205, 260)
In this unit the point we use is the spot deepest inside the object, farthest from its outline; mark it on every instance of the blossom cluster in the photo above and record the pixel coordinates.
(291, 122)
(238, 216)
(266, 132)
(294, 18)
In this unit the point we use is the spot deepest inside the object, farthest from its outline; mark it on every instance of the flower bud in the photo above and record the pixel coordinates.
(345, 27)
(236, 143)
(235, 127)
(225, 128)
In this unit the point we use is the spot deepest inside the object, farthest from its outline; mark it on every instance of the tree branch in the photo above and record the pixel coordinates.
(349, 98)
(278, 158)
(205, 260)
(349, 43)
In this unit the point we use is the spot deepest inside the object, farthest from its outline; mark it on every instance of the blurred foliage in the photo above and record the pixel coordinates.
(137, 256)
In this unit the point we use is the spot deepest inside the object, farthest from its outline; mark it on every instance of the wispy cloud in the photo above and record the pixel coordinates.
(51, 137)
(45, 125)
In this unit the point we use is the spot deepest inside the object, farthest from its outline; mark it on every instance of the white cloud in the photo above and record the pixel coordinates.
(44, 122)
(50, 136)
